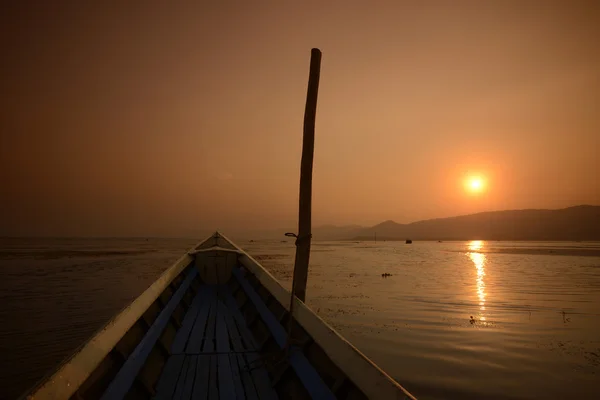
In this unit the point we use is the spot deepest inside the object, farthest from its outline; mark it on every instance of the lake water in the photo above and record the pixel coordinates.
(499, 320)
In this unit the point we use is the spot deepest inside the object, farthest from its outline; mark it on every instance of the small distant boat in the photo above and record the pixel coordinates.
(212, 326)
(408, 241)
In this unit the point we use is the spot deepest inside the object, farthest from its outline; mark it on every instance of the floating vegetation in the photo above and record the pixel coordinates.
(262, 257)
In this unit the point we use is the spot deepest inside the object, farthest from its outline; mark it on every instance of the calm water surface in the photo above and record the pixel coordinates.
(454, 320)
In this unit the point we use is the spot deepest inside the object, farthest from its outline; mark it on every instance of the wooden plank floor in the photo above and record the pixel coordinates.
(212, 356)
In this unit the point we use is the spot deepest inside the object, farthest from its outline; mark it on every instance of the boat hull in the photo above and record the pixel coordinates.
(214, 325)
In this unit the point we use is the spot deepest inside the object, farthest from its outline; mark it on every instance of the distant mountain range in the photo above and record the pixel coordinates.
(573, 223)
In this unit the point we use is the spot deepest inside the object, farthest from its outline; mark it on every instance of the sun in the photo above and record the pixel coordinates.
(475, 184)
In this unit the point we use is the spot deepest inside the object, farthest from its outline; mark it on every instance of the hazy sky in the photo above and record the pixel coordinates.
(156, 118)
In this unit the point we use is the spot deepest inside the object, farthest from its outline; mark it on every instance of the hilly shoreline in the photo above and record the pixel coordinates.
(577, 223)
(574, 223)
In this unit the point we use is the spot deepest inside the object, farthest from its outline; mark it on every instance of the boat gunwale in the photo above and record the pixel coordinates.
(73, 371)
(361, 370)
(68, 377)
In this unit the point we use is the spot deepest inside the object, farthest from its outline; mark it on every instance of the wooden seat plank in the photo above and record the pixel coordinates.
(213, 388)
(240, 392)
(182, 377)
(227, 385)
(240, 321)
(194, 344)
(189, 320)
(122, 382)
(209, 337)
(259, 374)
(310, 378)
(202, 376)
(242, 365)
(190, 378)
(168, 378)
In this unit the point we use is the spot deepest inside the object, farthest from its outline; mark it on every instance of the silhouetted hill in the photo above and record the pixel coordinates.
(573, 223)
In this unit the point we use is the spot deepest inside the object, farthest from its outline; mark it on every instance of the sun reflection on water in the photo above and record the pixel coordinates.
(479, 260)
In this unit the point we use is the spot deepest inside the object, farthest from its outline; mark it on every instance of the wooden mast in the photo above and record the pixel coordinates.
(303, 238)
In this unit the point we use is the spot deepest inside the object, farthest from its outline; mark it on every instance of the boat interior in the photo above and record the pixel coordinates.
(216, 333)
(215, 326)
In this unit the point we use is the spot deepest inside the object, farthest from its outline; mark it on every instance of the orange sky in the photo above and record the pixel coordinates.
(164, 120)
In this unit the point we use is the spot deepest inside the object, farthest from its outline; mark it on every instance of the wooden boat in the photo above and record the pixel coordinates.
(212, 327)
